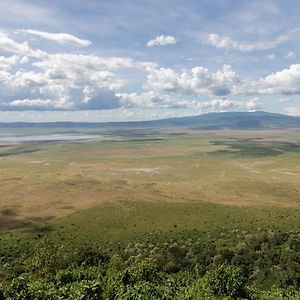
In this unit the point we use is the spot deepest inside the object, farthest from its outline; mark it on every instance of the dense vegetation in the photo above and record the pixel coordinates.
(235, 265)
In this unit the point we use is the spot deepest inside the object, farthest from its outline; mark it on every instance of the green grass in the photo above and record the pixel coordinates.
(99, 192)
(124, 222)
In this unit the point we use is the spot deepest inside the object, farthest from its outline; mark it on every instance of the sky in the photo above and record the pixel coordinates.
(122, 60)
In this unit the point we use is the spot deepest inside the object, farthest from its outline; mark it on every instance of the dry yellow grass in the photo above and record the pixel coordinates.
(50, 180)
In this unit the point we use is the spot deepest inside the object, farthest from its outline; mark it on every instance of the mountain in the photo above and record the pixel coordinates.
(225, 120)
(236, 120)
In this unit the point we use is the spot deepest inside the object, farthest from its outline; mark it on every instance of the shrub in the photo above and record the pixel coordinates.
(47, 259)
(226, 280)
(198, 290)
(17, 290)
(142, 280)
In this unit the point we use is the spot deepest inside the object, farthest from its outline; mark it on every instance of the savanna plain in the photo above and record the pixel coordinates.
(151, 214)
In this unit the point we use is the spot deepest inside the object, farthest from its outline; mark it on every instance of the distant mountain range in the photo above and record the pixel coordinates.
(210, 121)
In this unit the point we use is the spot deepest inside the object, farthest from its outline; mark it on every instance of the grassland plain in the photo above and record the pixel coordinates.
(139, 182)
(190, 203)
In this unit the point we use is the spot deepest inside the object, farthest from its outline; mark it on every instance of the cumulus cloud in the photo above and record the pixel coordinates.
(32, 79)
(74, 85)
(152, 99)
(286, 81)
(162, 40)
(253, 104)
(290, 55)
(155, 100)
(226, 42)
(198, 81)
(213, 105)
(61, 38)
(60, 81)
(6, 63)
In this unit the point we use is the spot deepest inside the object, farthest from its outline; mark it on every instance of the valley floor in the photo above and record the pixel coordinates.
(229, 188)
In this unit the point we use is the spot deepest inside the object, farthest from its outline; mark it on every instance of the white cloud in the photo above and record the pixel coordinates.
(253, 104)
(9, 45)
(63, 77)
(88, 62)
(162, 40)
(290, 55)
(217, 105)
(293, 110)
(148, 99)
(156, 100)
(6, 63)
(47, 103)
(227, 42)
(152, 99)
(61, 38)
(199, 81)
(34, 79)
(286, 81)
(271, 56)
(69, 81)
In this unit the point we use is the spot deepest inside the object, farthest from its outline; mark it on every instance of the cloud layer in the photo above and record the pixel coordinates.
(91, 58)
(34, 79)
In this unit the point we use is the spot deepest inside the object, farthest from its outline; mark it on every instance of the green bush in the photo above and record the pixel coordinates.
(47, 259)
(86, 290)
(226, 280)
(142, 280)
(273, 294)
(18, 289)
(198, 290)
(182, 269)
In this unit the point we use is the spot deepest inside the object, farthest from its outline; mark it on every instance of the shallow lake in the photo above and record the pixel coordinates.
(49, 137)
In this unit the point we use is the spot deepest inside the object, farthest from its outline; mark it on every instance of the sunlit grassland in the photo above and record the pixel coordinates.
(164, 183)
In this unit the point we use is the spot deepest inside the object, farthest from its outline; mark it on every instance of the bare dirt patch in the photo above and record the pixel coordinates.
(156, 170)
(286, 172)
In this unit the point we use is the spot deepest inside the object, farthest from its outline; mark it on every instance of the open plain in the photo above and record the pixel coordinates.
(182, 199)
(52, 182)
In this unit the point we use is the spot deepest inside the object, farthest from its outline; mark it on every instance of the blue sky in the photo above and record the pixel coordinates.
(133, 60)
